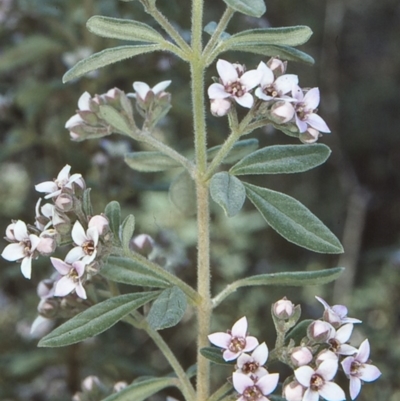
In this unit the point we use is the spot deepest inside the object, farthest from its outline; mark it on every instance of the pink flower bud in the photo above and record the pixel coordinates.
(240, 68)
(48, 308)
(45, 288)
(64, 202)
(319, 331)
(10, 232)
(309, 136)
(119, 386)
(283, 309)
(101, 223)
(91, 383)
(301, 356)
(142, 244)
(294, 391)
(282, 111)
(325, 355)
(220, 107)
(277, 66)
(46, 246)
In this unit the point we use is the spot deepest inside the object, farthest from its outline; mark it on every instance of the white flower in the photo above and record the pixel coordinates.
(234, 342)
(305, 107)
(336, 315)
(24, 249)
(320, 331)
(254, 391)
(318, 382)
(301, 356)
(63, 180)
(252, 365)
(234, 85)
(83, 105)
(294, 391)
(338, 339)
(356, 369)
(324, 355)
(220, 107)
(71, 279)
(142, 89)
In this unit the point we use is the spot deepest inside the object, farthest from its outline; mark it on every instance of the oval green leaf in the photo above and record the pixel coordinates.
(132, 272)
(106, 57)
(282, 159)
(229, 192)
(123, 29)
(96, 319)
(113, 213)
(254, 8)
(182, 194)
(127, 230)
(214, 354)
(168, 309)
(298, 332)
(293, 220)
(142, 389)
(116, 120)
(239, 150)
(150, 162)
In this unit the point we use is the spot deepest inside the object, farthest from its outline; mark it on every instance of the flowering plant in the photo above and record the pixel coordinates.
(103, 251)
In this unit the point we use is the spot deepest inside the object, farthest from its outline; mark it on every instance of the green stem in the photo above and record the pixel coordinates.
(229, 289)
(186, 387)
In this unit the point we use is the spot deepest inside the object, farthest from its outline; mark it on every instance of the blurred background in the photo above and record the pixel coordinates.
(356, 193)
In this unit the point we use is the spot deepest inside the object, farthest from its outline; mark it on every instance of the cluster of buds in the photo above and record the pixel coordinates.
(277, 96)
(315, 360)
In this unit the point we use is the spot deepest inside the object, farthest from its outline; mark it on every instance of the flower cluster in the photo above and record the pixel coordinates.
(276, 95)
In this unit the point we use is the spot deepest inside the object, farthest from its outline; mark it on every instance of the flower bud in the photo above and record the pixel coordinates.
(48, 308)
(294, 391)
(301, 356)
(319, 331)
(325, 355)
(119, 386)
(142, 244)
(101, 223)
(220, 107)
(10, 232)
(283, 309)
(282, 112)
(47, 244)
(45, 288)
(240, 68)
(309, 136)
(277, 66)
(91, 383)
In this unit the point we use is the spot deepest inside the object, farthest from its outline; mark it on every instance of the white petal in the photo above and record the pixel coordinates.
(340, 310)
(346, 349)
(74, 177)
(217, 91)
(311, 99)
(79, 266)
(74, 121)
(261, 95)
(355, 387)
(323, 302)
(87, 259)
(83, 102)
(363, 352)
(285, 83)
(251, 343)
(332, 392)
(315, 121)
(229, 355)
(303, 375)
(13, 252)
(21, 231)
(369, 373)
(301, 125)
(226, 71)
(93, 234)
(26, 267)
(344, 333)
(241, 382)
(220, 339)
(47, 186)
(297, 93)
(267, 77)
(250, 79)
(268, 383)
(75, 254)
(310, 395)
(64, 286)
(141, 89)
(160, 87)
(80, 291)
(246, 100)
(260, 354)
(328, 369)
(62, 267)
(78, 234)
(346, 365)
(239, 329)
(35, 241)
(243, 359)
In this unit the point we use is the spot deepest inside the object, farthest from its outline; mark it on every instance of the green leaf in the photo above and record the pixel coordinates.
(106, 57)
(289, 36)
(113, 213)
(282, 159)
(86, 203)
(96, 319)
(298, 332)
(214, 354)
(293, 220)
(228, 191)
(140, 390)
(115, 119)
(132, 272)
(211, 27)
(168, 309)
(182, 193)
(150, 162)
(127, 229)
(283, 52)
(254, 8)
(123, 29)
(238, 151)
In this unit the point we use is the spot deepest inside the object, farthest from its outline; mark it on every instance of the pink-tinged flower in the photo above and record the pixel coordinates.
(294, 391)
(86, 242)
(24, 249)
(99, 222)
(71, 280)
(63, 180)
(283, 309)
(275, 89)
(235, 342)
(324, 355)
(357, 370)
(10, 232)
(301, 356)
(319, 382)
(252, 365)
(234, 84)
(282, 112)
(220, 107)
(311, 135)
(83, 105)
(142, 89)
(251, 390)
(305, 107)
(338, 339)
(320, 331)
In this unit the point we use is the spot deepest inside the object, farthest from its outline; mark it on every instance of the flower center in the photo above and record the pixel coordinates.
(237, 344)
(27, 247)
(355, 368)
(88, 247)
(334, 345)
(73, 274)
(270, 90)
(235, 89)
(316, 382)
(252, 393)
(250, 367)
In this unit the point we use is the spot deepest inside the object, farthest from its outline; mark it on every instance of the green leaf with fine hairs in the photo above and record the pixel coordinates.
(113, 213)
(123, 29)
(132, 272)
(115, 119)
(182, 194)
(229, 192)
(293, 220)
(298, 332)
(282, 159)
(86, 203)
(168, 309)
(239, 150)
(214, 354)
(96, 319)
(107, 57)
(150, 162)
(283, 52)
(254, 8)
(289, 36)
(139, 390)
(127, 230)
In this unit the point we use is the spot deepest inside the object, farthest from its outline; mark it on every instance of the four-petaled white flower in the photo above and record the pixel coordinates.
(251, 390)
(252, 365)
(234, 84)
(336, 315)
(235, 342)
(318, 382)
(142, 89)
(71, 280)
(63, 180)
(83, 105)
(24, 249)
(357, 370)
(338, 339)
